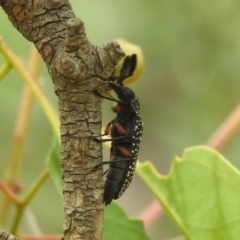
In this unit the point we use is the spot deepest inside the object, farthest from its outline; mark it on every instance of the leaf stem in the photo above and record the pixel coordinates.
(24, 203)
(9, 193)
(29, 79)
(5, 69)
(35, 186)
(151, 213)
(14, 162)
(226, 131)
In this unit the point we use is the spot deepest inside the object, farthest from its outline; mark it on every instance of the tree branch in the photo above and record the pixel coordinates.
(77, 68)
(7, 236)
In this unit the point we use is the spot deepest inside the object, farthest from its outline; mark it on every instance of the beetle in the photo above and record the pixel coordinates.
(126, 134)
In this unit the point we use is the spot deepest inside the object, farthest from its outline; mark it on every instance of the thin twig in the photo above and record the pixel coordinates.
(150, 213)
(27, 77)
(31, 193)
(14, 162)
(9, 193)
(226, 131)
(4, 70)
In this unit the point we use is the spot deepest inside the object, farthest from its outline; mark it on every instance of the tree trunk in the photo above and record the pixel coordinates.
(77, 69)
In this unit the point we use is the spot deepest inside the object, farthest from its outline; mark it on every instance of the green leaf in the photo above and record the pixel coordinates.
(54, 165)
(201, 194)
(118, 226)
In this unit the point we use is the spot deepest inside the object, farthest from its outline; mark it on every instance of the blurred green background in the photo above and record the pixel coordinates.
(190, 85)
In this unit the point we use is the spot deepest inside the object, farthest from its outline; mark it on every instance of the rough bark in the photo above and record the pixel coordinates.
(77, 68)
(7, 236)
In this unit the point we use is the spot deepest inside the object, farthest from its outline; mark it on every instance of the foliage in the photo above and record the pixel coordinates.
(118, 225)
(200, 194)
